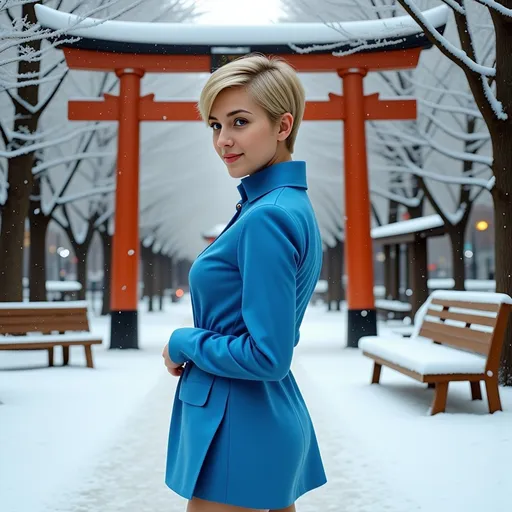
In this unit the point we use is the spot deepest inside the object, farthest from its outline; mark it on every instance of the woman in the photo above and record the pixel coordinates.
(241, 438)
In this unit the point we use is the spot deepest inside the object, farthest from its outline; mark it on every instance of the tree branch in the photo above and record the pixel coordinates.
(455, 6)
(491, 4)
(456, 55)
(477, 82)
(4, 136)
(52, 95)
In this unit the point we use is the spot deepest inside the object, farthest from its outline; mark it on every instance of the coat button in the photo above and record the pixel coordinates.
(238, 206)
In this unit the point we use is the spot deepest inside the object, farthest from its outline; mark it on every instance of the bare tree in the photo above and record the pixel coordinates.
(47, 81)
(490, 86)
(447, 120)
(30, 87)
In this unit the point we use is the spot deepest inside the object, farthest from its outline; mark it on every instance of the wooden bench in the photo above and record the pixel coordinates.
(458, 337)
(45, 325)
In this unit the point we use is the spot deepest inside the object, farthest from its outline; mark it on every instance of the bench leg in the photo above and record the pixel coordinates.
(476, 391)
(441, 393)
(65, 355)
(88, 356)
(376, 373)
(493, 395)
(50, 356)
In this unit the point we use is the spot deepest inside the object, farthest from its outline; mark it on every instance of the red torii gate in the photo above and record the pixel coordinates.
(129, 109)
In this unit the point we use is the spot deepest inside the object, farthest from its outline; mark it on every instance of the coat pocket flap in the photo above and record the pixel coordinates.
(196, 386)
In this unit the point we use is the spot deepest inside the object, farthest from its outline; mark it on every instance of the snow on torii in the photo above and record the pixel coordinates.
(400, 32)
(131, 49)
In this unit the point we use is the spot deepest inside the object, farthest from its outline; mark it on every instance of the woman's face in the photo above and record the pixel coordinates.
(243, 135)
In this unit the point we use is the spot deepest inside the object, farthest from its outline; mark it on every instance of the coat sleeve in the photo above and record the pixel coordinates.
(268, 255)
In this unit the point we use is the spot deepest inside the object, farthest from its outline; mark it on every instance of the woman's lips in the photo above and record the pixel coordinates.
(231, 158)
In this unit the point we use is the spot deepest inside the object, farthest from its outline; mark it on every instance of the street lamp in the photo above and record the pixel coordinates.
(481, 225)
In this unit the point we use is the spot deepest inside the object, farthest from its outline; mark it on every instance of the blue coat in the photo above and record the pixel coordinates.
(240, 431)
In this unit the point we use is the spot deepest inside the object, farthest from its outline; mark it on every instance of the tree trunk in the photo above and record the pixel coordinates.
(81, 251)
(387, 270)
(37, 251)
(12, 231)
(456, 235)
(160, 268)
(19, 177)
(502, 195)
(335, 276)
(418, 272)
(501, 135)
(395, 272)
(149, 276)
(106, 242)
(37, 267)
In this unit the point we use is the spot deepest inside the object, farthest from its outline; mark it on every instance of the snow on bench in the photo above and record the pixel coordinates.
(393, 309)
(70, 304)
(457, 336)
(393, 305)
(69, 338)
(422, 356)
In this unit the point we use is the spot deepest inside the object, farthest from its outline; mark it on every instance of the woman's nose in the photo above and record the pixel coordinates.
(224, 140)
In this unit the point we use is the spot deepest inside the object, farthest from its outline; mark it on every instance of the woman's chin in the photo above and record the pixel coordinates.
(236, 172)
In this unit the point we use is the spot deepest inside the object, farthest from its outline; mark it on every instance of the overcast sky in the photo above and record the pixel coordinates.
(246, 12)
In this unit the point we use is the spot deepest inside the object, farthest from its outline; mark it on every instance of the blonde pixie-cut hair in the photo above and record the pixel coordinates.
(272, 83)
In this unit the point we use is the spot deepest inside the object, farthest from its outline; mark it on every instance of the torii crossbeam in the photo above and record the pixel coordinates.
(194, 48)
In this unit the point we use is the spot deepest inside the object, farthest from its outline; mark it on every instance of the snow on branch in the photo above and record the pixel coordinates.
(496, 105)
(42, 145)
(71, 158)
(411, 202)
(441, 90)
(85, 194)
(455, 54)
(455, 6)
(105, 216)
(467, 137)
(457, 155)
(4, 186)
(412, 168)
(454, 109)
(496, 6)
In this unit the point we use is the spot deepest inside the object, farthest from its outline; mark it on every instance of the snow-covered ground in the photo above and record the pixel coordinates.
(73, 439)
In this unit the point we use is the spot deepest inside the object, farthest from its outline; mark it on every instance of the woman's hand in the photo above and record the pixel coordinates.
(173, 368)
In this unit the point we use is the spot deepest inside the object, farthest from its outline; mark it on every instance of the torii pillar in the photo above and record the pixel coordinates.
(354, 108)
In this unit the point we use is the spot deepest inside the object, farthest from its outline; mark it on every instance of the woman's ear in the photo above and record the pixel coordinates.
(285, 126)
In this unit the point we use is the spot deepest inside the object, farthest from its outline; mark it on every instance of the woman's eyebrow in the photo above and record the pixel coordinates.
(232, 113)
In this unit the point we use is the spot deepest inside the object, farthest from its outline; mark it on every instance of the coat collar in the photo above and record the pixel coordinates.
(283, 174)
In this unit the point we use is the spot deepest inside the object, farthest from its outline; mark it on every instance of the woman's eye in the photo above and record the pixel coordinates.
(215, 126)
(241, 122)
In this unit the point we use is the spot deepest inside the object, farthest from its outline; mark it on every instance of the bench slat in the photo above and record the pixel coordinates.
(48, 344)
(42, 311)
(48, 320)
(43, 320)
(461, 337)
(482, 306)
(463, 317)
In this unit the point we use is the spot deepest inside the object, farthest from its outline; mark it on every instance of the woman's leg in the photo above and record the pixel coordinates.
(291, 508)
(198, 505)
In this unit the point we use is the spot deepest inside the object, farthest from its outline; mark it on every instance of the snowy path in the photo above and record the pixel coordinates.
(129, 475)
